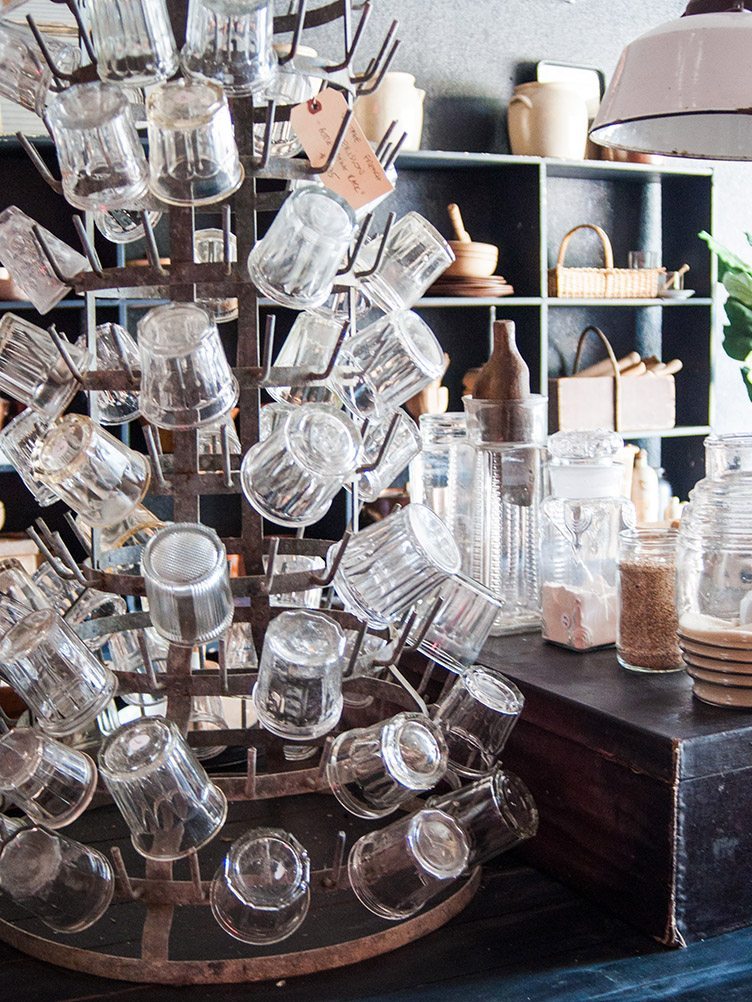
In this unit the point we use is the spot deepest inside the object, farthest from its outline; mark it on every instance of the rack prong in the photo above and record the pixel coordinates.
(394, 152)
(195, 868)
(352, 48)
(429, 621)
(50, 257)
(266, 149)
(67, 558)
(62, 572)
(72, 6)
(385, 140)
(357, 647)
(426, 677)
(382, 248)
(122, 354)
(339, 857)
(316, 376)
(122, 873)
(152, 251)
(88, 247)
(227, 238)
(266, 361)
(62, 346)
(370, 467)
(363, 90)
(85, 543)
(156, 685)
(352, 256)
(334, 152)
(42, 169)
(325, 580)
(46, 54)
(250, 774)
(155, 454)
(224, 441)
(271, 559)
(296, 35)
(224, 680)
(373, 66)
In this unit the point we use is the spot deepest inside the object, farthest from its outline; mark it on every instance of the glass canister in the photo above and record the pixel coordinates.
(580, 529)
(727, 453)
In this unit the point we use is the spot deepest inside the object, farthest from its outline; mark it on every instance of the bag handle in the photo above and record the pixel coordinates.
(608, 251)
(614, 365)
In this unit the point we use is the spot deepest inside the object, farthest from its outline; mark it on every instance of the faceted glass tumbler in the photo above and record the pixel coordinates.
(477, 716)
(27, 265)
(261, 892)
(207, 715)
(55, 674)
(115, 406)
(395, 871)
(127, 655)
(18, 587)
(290, 85)
(169, 803)
(133, 41)
(310, 598)
(32, 370)
(391, 564)
(65, 884)
(298, 695)
(50, 782)
(208, 248)
(373, 770)
(404, 445)
(18, 440)
(309, 346)
(25, 77)
(192, 152)
(233, 49)
(102, 162)
(92, 471)
(187, 582)
(272, 417)
(295, 263)
(387, 363)
(293, 475)
(186, 380)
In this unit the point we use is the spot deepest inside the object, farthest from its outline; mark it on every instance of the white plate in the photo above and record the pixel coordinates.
(676, 293)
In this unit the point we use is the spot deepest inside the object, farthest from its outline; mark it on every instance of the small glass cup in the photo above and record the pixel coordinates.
(208, 248)
(391, 564)
(289, 86)
(298, 695)
(725, 453)
(192, 152)
(297, 564)
(395, 871)
(31, 369)
(414, 257)
(27, 265)
(44, 778)
(261, 892)
(127, 655)
(387, 363)
(26, 78)
(186, 380)
(133, 41)
(18, 440)
(296, 262)
(18, 587)
(65, 884)
(102, 163)
(405, 444)
(55, 674)
(310, 346)
(272, 417)
(233, 49)
(210, 438)
(136, 529)
(91, 605)
(188, 584)
(207, 715)
(374, 770)
(462, 625)
(477, 716)
(644, 259)
(92, 471)
(115, 406)
(293, 475)
(125, 226)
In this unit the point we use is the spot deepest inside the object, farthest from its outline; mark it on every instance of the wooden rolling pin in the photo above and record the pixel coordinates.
(605, 368)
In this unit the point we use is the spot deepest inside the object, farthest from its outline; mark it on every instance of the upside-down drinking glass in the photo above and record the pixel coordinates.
(125, 226)
(32, 370)
(210, 438)
(207, 715)
(272, 417)
(26, 78)
(310, 346)
(240, 650)
(233, 49)
(76, 603)
(127, 655)
(18, 587)
(308, 598)
(27, 265)
(18, 440)
(209, 248)
(133, 41)
(290, 85)
(115, 406)
(404, 445)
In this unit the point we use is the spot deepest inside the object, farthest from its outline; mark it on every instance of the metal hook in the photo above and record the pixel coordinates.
(352, 256)
(41, 241)
(224, 440)
(382, 248)
(266, 149)
(58, 568)
(270, 561)
(364, 91)
(370, 467)
(88, 248)
(62, 346)
(250, 774)
(395, 152)
(296, 35)
(152, 251)
(122, 873)
(72, 6)
(385, 140)
(317, 376)
(353, 47)
(122, 354)
(266, 361)
(226, 239)
(155, 454)
(334, 152)
(73, 525)
(156, 685)
(57, 73)
(67, 558)
(401, 644)
(373, 66)
(325, 580)
(33, 154)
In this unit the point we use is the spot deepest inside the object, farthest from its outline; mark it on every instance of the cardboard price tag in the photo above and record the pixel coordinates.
(356, 174)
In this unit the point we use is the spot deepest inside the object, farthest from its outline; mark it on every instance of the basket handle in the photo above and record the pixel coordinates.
(608, 251)
(614, 365)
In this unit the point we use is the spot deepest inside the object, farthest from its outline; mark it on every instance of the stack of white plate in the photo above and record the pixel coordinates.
(719, 659)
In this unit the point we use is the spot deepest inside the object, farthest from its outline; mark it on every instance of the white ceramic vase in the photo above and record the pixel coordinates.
(548, 120)
(397, 98)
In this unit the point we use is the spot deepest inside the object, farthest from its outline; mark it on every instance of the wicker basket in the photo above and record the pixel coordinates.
(601, 283)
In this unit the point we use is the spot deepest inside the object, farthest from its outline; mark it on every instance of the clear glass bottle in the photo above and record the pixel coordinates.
(581, 523)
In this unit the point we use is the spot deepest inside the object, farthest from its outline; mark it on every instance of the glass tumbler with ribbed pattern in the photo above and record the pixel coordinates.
(31, 369)
(233, 49)
(133, 41)
(18, 440)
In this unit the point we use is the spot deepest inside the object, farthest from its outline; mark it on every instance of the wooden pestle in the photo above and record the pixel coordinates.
(605, 368)
(455, 217)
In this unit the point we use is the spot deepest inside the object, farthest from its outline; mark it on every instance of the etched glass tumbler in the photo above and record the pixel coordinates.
(18, 440)
(25, 77)
(55, 674)
(395, 871)
(32, 370)
(50, 782)
(293, 475)
(373, 770)
(309, 346)
(115, 406)
(391, 564)
(404, 445)
(186, 380)
(169, 803)
(233, 49)
(209, 248)
(387, 363)
(192, 153)
(261, 892)
(65, 884)
(102, 163)
(133, 41)
(298, 695)
(27, 265)
(296, 262)
(188, 584)
(92, 471)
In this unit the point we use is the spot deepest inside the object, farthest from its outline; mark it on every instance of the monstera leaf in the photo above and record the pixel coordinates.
(736, 276)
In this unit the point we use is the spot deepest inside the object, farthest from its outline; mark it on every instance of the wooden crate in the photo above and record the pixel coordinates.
(648, 403)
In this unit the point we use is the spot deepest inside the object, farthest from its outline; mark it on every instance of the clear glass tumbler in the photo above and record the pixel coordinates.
(391, 564)
(133, 41)
(210, 438)
(208, 248)
(192, 152)
(50, 782)
(169, 803)
(125, 226)
(65, 884)
(373, 770)
(186, 380)
(309, 346)
(115, 406)
(32, 370)
(233, 49)
(261, 892)
(207, 716)
(25, 77)
(293, 475)
(18, 587)
(240, 650)
(27, 265)
(295, 263)
(290, 85)
(298, 695)
(92, 471)
(387, 363)
(727, 453)
(395, 871)
(127, 655)
(404, 445)
(297, 564)
(18, 440)
(272, 417)
(55, 674)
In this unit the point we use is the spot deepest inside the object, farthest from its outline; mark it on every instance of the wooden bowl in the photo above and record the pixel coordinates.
(473, 260)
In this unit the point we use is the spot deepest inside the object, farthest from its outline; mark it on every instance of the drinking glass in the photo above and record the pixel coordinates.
(261, 892)
(389, 565)
(192, 152)
(91, 470)
(44, 778)
(18, 440)
(125, 226)
(55, 674)
(18, 587)
(387, 363)
(240, 650)
(289, 86)
(373, 770)
(133, 41)
(296, 262)
(405, 444)
(29, 268)
(298, 695)
(310, 598)
(414, 257)
(65, 884)
(26, 77)
(462, 625)
(210, 438)
(186, 380)
(723, 453)
(102, 163)
(207, 715)
(272, 417)
(188, 584)
(395, 871)
(477, 716)
(115, 406)
(169, 803)
(337, 305)
(644, 259)
(208, 248)
(293, 475)
(32, 370)
(76, 603)
(496, 813)
(136, 529)
(234, 49)
(309, 346)
(127, 656)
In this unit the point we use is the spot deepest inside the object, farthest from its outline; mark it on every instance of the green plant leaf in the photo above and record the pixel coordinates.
(747, 377)
(738, 284)
(727, 259)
